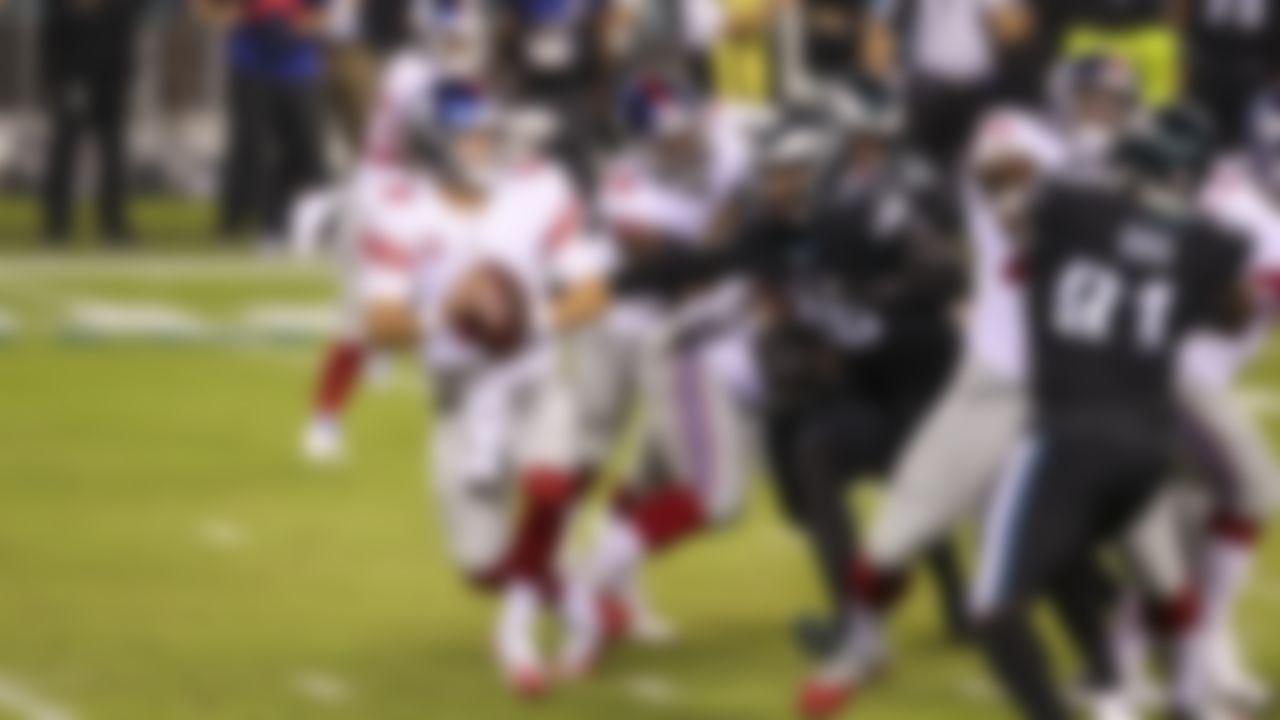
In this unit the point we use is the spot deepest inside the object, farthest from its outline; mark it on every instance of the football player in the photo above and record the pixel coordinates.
(475, 260)
(1120, 270)
(685, 353)
(1223, 442)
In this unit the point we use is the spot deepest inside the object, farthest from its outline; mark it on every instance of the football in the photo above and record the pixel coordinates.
(490, 310)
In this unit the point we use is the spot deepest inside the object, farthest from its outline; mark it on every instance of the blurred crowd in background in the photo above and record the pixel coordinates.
(252, 101)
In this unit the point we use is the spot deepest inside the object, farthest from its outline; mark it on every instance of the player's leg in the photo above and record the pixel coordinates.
(829, 449)
(1224, 446)
(1161, 603)
(551, 482)
(617, 438)
(1035, 533)
(344, 361)
(694, 464)
(947, 470)
(472, 462)
(340, 372)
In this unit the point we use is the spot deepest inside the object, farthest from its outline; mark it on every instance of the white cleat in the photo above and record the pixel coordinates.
(516, 645)
(1112, 706)
(322, 442)
(584, 635)
(1229, 681)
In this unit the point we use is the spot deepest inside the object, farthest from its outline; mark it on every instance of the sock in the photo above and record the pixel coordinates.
(667, 516)
(877, 588)
(1014, 653)
(1179, 624)
(1229, 557)
(619, 554)
(549, 497)
(338, 377)
(515, 638)
(1130, 643)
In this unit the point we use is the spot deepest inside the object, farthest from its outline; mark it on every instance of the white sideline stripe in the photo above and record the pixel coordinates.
(24, 701)
(321, 687)
(651, 689)
(293, 319)
(146, 318)
(160, 268)
(222, 534)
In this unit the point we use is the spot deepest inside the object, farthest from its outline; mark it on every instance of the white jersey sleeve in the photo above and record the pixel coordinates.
(387, 236)
(995, 335)
(405, 82)
(1234, 199)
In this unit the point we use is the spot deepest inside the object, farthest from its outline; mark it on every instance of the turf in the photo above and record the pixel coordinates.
(165, 554)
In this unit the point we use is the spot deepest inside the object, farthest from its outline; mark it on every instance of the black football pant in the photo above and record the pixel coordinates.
(274, 151)
(93, 104)
(815, 458)
(1062, 497)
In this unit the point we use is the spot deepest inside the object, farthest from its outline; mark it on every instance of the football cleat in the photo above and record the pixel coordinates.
(515, 642)
(322, 442)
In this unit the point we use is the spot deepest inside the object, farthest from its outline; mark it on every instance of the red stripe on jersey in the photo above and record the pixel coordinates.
(382, 251)
(1267, 283)
(567, 225)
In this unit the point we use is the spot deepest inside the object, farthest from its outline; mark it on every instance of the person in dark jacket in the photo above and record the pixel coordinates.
(87, 56)
(274, 143)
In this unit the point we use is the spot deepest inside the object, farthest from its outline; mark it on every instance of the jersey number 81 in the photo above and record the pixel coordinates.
(1087, 297)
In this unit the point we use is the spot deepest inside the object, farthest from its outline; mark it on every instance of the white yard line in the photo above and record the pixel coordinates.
(27, 703)
(222, 534)
(322, 687)
(159, 268)
(651, 689)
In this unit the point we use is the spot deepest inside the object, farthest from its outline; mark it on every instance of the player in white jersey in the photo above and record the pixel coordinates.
(464, 256)
(1223, 443)
(452, 46)
(686, 357)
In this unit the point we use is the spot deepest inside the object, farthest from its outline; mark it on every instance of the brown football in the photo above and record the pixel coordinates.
(490, 309)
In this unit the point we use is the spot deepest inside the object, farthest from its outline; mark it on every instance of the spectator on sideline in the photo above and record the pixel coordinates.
(951, 62)
(1233, 51)
(831, 30)
(1141, 32)
(274, 144)
(745, 62)
(362, 33)
(87, 54)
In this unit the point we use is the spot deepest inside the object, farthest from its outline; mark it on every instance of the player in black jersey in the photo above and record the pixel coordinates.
(1119, 271)
(859, 335)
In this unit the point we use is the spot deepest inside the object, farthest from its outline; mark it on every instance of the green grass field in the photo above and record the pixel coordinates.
(165, 554)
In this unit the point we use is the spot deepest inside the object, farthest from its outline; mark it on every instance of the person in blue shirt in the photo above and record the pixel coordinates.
(274, 146)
